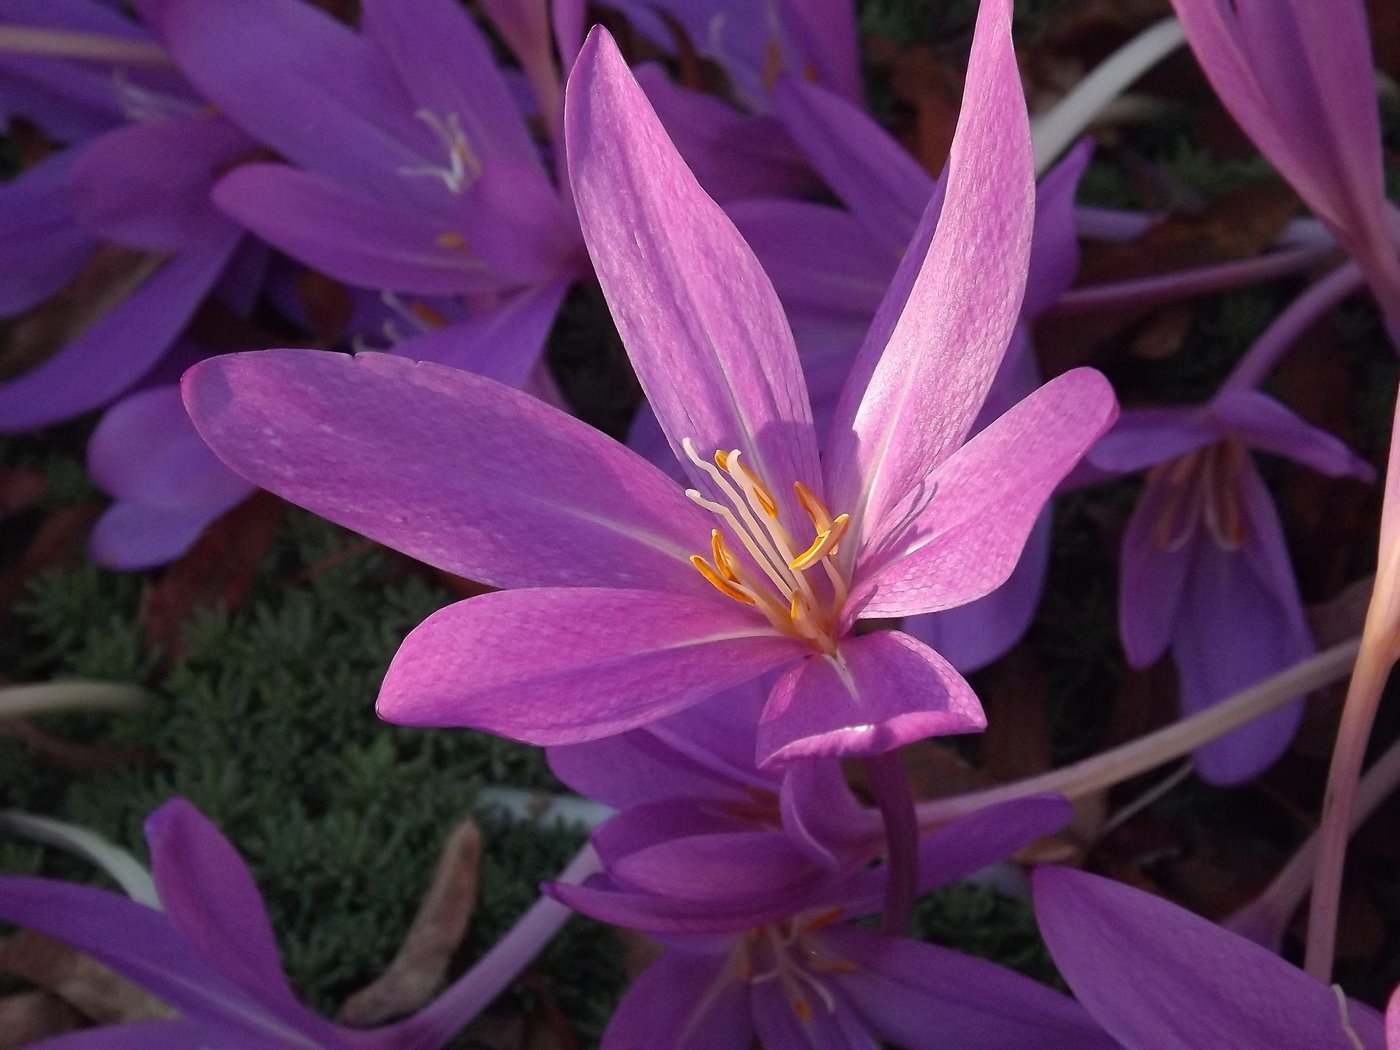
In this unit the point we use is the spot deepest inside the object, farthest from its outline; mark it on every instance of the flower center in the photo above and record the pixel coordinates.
(773, 574)
(462, 166)
(1205, 490)
(785, 953)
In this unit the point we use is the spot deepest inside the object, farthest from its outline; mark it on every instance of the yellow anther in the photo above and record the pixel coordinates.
(815, 508)
(724, 560)
(802, 1008)
(760, 491)
(427, 314)
(722, 460)
(824, 544)
(450, 239)
(719, 583)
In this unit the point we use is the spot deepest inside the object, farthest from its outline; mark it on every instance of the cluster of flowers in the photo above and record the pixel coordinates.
(685, 626)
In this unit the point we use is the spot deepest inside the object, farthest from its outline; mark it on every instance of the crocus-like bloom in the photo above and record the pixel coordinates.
(1298, 76)
(209, 952)
(414, 169)
(1204, 553)
(1160, 978)
(638, 598)
(762, 943)
(142, 183)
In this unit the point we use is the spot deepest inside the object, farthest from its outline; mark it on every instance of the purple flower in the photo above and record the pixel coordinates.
(209, 952)
(1160, 978)
(411, 167)
(1298, 76)
(1204, 553)
(637, 598)
(761, 942)
(142, 182)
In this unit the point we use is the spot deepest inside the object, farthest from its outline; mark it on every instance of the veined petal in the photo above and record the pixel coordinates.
(910, 401)
(925, 997)
(450, 468)
(564, 665)
(964, 530)
(880, 690)
(696, 998)
(602, 899)
(700, 319)
(350, 235)
(821, 1025)
(1054, 260)
(1159, 978)
(1145, 437)
(42, 246)
(1152, 578)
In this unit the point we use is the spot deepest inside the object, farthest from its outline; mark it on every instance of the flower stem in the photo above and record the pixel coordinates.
(890, 787)
(93, 47)
(1265, 918)
(471, 993)
(1138, 756)
(1053, 131)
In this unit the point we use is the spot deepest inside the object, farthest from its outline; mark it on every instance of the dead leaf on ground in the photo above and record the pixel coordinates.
(80, 759)
(215, 573)
(82, 982)
(27, 1017)
(420, 966)
(933, 91)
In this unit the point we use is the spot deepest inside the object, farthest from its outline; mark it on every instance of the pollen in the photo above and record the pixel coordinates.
(799, 589)
(450, 239)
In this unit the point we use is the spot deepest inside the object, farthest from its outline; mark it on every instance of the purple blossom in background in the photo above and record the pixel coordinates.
(1204, 553)
(209, 952)
(411, 167)
(753, 880)
(1299, 77)
(139, 179)
(1160, 978)
(636, 599)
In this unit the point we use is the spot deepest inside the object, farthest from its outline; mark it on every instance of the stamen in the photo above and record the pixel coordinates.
(450, 239)
(824, 544)
(821, 919)
(724, 560)
(725, 587)
(816, 510)
(463, 166)
(1347, 1029)
(802, 1008)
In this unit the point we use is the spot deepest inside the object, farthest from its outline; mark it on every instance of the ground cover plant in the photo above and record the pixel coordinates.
(686, 523)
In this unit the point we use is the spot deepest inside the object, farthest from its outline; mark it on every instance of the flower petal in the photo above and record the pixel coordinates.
(967, 526)
(787, 1014)
(559, 666)
(693, 998)
(350, 235)
(42, 246)
(1263, 423)
(700, 320)
(1158, 977)
(912, 397)
(450, 468)
(1144, 437)
(925, 997)
(1151, 578)
(880, 691)
(147, 1035)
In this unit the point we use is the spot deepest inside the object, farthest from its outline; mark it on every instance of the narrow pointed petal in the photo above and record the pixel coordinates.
(560, 666)
(925, 997)
(694, 998)
(145, 1035)
(1148, 436)
(967, 527)
(932, 375)
(716, 866)
(210, 898)
(1054, 261)
(786, 1014)
(1159, 978)
(131, 535)
(701, 322)
(350, 235)
(449, 468)
(886, 690)
(604, 900)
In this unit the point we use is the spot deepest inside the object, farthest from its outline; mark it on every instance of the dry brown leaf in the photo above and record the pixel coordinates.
(81, 759)
(21, 490)
(27, 1017)
(933, 91)
(421, 964)
(216, 572)
(82, 982)
(328, 304)
(1017, 741)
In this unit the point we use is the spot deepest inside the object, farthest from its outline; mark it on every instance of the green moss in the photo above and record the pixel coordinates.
(982, 921)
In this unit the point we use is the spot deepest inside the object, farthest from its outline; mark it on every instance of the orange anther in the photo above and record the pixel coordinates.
(719, 583)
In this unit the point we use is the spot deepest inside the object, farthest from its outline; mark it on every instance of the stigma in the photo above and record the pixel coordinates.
(1205, 489)
(799, 588)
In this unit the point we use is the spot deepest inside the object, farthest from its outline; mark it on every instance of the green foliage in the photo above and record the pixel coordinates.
(982, 921)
